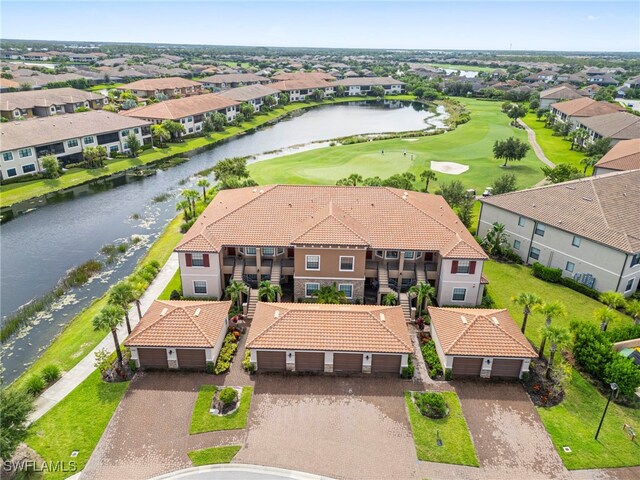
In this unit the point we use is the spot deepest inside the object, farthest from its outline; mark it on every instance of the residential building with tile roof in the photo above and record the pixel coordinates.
(43, 103)
(625, 155)
(362, 85)
(588, 228)
(251, 94)
(170, 86)
(233, 80)
(573, 111)
(557, 94)
(616, 126)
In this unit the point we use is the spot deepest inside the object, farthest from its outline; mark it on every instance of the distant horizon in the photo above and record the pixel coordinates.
(516, 26)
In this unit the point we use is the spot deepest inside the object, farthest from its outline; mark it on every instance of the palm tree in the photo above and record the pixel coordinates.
(604, 316)
(390, 299)
(559, 338)
(588, 162)
(428, 175)
(354, 178)
(204, 183)
(633, 309)
(184, 205)
(496, 240)
(160, 134)
(191, 196)
(122, 294)
(108, 319)
(330, 294)
(528, 301)
(613, 300)
(578, 136)
(423, 292)
(269, 291)
(234, 291)
(550, 311)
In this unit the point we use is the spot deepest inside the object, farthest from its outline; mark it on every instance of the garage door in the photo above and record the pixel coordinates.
(386, 364)
(271, 361)
(191, 358)
(347, 363)
(467, 366)
(309, 362)
(505, 367)
(153, 358)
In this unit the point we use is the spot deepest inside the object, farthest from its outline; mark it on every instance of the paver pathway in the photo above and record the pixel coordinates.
(85, 367)
(536, 147)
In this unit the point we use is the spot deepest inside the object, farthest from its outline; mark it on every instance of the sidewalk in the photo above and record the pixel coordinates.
(536, 148)
(85, 367)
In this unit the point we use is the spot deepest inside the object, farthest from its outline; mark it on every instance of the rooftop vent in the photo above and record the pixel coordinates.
(382, 319)
(570, 187)
(587, 199)
(464, 319)
(495, 321)
(164, 311)
(197, 312)
(276, 314)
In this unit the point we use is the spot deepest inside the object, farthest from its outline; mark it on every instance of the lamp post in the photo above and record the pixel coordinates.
(614, 387)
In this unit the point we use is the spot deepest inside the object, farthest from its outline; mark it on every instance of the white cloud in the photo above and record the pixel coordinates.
(592, 18)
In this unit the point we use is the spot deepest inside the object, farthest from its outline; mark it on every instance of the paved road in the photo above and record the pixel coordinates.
(239, 471)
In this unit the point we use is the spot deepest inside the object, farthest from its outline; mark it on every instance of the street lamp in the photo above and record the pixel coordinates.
(614, 387)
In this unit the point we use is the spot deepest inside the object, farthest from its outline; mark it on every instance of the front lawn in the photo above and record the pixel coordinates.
(76, 423)
(457, 447)
(211, 456)
(574, 422)
(508, 280)
(203, 421)
(174, 284)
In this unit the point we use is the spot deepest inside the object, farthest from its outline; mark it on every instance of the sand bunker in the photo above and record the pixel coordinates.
(449, 167)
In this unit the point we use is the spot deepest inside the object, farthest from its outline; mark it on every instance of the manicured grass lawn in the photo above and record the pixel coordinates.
(210, 456)
(174, 284)
(470, 144)
(557, 149)
(457, 446)
(203, 421)
(19, 192)
(507, 281)
(102, 86)
(574, 422)
(79, 338)
(76, 423)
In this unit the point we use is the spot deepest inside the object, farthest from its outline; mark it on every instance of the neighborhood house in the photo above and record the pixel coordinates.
(172, 87)
(44, 103)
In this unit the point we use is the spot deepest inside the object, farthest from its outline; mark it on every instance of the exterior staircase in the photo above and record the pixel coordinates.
(383, 278)
(406, 306)
(276, 269)
(421, 276)
(238, 270)
(253, 301)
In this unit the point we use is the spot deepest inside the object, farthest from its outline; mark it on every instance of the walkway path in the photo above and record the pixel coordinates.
(534, 143)
(85, 367)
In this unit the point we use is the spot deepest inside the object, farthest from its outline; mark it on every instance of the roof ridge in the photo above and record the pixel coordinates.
(330, 214)
(184, 309)
(380, 322)
(271, 325)
(144, 329)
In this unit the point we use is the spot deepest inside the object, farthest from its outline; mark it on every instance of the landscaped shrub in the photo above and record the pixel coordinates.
(247, 364)
(431, 358)
(592, 350)
(431, 404)
(228, 395)
(620, 334)
(209, 368)
(409, 370)
(35, 385)
(625, 373)
(175, 295)
(50, 374)
(448, 373)
(553, 275)
(487, 299)
(227, 351)
(580, 287)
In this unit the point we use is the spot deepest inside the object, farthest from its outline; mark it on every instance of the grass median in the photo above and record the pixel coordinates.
(214, 455)
(203, 421)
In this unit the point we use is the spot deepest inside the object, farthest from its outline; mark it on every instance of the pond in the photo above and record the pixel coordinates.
(68, 229)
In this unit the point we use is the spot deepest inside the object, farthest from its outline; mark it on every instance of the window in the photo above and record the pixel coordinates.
(313, 262)
(570, 266)
(521, 222)
(113, 148)
(309, 288)
(576, 241)
(347, 288)
(251, 250)
(629, 285)
(391, 254)
(268, 251)
(136, 130)
(28, 168)
(459, 294)
(516, 244)
(409, 255)
(190, 129)
(25, 152)
(190, 119)
(7, 156)
(463, 266)
(379, 253)
(635, 260)
(535, 253)
(540, 229)
(125, 133)
(87, 140)
(197, 260)
(346, 264)
(200, 287)
(72, 143)
(11, 172)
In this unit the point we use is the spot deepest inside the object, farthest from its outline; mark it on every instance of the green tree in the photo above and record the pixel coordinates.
(428, 175)
(50, 166)
(516, 112)
(403, 181)
(561, 173)
(247, 110)
(204, 184)
(496, 241)
(598, 148)
(340, 90)
(633, 309)
(558, 338)
(283, 99)
(160, 134)
(550, 311)
(355, 178)
(191, 196)
(505, 183)
(230, 167)
(330, 294)
(122, 294)
(453, 192)
(16, 404)
(592, 349)
(218, 121)
(625, 373)
(108, 319)
(377, 91)
(175, 129)
(390, 299)
(133, 144)
(511, 149)
(185, 206)
(528, 302)
(95, 157)
(588, 162)
(317, 95)
(423, 292)
(604, 317)
(234, 292)
(128, 104)
(613, 300)
(268, 292)
(578, 137)
(270, 101)
(465, 210)
(110, 108)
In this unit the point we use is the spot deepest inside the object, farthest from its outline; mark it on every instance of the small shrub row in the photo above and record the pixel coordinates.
(228, 350)
(580, 287)
(37, 383)
(431, 358)
(247, 364)
(431, 404)
(553, 275)
(22, 179)
(409, 370)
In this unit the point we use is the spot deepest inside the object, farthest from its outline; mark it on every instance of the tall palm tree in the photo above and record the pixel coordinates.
(234, 291)
(330, 294)
(550, 311)
(204, 183)
(588, 162)
(108, 319)
(528, 301)
(185, 206)
(496, 240)
(160, 134)
(268, 291)
(604, 316)
(428, 175)
(191, 196)
(122, 294)
(423, 292)
(558, 338)
(633, 309)
(390, 299)
(613, 300)
(354, 178)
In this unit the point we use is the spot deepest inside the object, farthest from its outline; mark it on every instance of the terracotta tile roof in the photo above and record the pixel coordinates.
(249, 92)
(152, 84)
(304, 76)
(597, 208)
(180, 323)
(619, 125)
(366, 81)
(560, 92)
(182, 107)
(625, 155)
(234, 78)
(479, 332)
(301, 84)
(6, 83)
(380, 217)
(585, 107)
(46, 98)
(312, 326)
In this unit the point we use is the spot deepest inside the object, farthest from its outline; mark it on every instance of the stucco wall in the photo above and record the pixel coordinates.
(210, 274)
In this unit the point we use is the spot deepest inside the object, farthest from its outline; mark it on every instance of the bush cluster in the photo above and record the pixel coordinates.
(553, 275)
(247, 364)
(431, 358)
(228, 395)
(227, 352)
(580, 287)
(431, 404)
(409, 370)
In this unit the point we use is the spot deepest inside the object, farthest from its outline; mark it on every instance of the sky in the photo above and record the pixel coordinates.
(472, 25)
